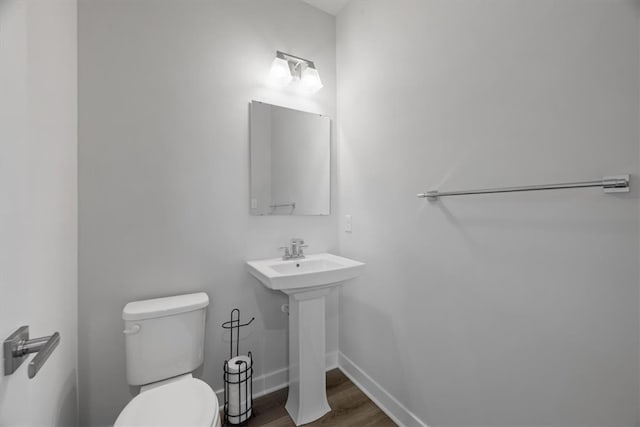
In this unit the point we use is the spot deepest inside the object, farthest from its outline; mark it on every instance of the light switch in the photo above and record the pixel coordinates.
(254, 203)
(347, 224)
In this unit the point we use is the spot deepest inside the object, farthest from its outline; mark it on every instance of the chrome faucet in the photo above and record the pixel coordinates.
(296, 250)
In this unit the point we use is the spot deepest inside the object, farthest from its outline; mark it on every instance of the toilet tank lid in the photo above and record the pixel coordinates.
(167, 306)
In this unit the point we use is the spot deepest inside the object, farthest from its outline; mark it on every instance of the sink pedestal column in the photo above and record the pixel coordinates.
(307, 399)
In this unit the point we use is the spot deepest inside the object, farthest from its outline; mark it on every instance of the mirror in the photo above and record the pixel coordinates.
(290, 161)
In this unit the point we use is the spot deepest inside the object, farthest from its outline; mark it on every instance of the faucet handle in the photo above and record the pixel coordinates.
(287, 254)
(297, 240)
(301, 250)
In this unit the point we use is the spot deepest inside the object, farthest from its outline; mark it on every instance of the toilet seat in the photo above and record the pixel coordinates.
(187, 402)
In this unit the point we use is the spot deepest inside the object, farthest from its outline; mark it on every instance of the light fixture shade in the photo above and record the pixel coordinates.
(280, 74)
(310, 80)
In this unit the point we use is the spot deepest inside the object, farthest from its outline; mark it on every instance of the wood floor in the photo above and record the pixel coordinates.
(349, 407)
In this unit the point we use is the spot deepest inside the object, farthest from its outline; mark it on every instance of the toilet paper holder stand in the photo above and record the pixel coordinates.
(238, 377)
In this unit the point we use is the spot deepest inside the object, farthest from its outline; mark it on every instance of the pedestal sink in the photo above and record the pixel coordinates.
(307, 281)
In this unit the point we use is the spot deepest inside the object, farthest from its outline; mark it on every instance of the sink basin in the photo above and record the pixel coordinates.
(314, 271)
(307, 281)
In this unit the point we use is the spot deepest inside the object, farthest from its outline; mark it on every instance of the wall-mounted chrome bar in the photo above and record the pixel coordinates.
(18, 346)
(610, 184)
(43, 351)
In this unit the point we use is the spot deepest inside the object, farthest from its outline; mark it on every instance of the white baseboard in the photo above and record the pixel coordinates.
(382, 398)
(278, 379)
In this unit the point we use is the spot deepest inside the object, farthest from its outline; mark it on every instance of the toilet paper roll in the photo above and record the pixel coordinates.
(239, 394)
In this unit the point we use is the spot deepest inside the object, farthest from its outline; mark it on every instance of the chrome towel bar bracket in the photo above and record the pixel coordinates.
(284, 205)
(18, 346)
(610, 184)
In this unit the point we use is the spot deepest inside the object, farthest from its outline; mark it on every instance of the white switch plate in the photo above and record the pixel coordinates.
(254, 203)
(348, 224)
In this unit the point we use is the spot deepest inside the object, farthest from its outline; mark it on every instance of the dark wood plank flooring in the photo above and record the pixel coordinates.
(349, 407)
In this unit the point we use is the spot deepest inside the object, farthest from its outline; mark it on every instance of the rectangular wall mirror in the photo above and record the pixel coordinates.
(290, 161)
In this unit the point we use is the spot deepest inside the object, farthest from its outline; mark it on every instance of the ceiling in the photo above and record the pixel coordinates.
(329, 6)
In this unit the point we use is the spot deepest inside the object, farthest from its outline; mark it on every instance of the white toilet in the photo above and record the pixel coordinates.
(164, 344)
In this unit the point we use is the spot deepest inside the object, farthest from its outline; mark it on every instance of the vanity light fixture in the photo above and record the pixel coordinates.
(280, 75)
(288, 69)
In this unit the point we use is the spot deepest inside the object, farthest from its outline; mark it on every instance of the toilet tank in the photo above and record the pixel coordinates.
(164, 337)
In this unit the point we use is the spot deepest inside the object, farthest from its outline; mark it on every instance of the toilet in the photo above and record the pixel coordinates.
(164, 344)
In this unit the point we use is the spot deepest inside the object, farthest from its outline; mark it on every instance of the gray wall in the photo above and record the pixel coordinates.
(501, 310)
(38, 203)
(164, 92)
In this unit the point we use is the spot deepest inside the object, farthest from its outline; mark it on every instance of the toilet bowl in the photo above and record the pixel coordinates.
(184, 401)
(164, 344)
